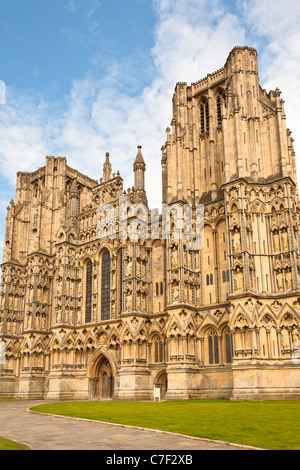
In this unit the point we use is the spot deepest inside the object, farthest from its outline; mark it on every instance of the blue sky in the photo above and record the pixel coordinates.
(49, 43)
(84, 77)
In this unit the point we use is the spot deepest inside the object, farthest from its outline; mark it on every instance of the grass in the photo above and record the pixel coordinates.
(265, 424)
(6, 444)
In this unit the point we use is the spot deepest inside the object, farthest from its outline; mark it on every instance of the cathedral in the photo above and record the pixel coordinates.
(105, 298)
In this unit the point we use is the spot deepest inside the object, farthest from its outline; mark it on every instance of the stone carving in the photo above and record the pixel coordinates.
(288, 280)
(174, 257)
(175, 293)
(129, 268)
(279, 277)
(276, 243)
(239, 279)
(284, 239)
(236, 240)
(285, 338)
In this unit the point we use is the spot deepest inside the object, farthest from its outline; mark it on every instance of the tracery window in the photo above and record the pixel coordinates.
(88, 291)
(105, 286)
(158, 350)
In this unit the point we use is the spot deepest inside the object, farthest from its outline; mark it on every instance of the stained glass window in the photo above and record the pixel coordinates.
(121, 282)
(88, 292)
(105, 286)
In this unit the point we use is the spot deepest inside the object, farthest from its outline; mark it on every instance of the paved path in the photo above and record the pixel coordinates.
(44, 432)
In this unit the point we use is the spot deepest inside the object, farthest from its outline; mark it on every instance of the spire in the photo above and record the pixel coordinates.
(139, 157)
(107, 169)
(139, 168)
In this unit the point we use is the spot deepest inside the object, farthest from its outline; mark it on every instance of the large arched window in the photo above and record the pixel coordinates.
(88, 291)
(105, 286)
(120, 280)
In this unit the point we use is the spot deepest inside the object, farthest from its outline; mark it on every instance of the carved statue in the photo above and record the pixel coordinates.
(288, 280)
(276, 242)
(279, 277)
(236, 240)
(285, 240)
(175, 293)
(58, 316)
(128, 300)
(174, 257)
(59, 287)
(285, 337)
(239, 279)
(129, 269)
(295, 334)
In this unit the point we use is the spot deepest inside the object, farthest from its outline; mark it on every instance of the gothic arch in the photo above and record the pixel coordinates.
(101, 373)
(94, 361)
(161, 382)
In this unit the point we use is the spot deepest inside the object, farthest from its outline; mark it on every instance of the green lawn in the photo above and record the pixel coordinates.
(264, 424)
(6, 444)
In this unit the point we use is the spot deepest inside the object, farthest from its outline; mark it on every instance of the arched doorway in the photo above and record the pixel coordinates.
(102, 385)
(161, 381)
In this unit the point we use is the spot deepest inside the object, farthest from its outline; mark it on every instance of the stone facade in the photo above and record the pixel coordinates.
(104, 298)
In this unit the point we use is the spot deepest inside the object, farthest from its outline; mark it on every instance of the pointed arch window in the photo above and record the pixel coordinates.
(204, 116)
(220, 100)
(121, 271)
(228, 348)
(105, 286)
(158, 349)
(88, 291)
(213, 347)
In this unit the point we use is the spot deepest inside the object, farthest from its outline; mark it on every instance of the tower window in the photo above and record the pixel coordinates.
(219, 111)
(220, 100)
(204, 117)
